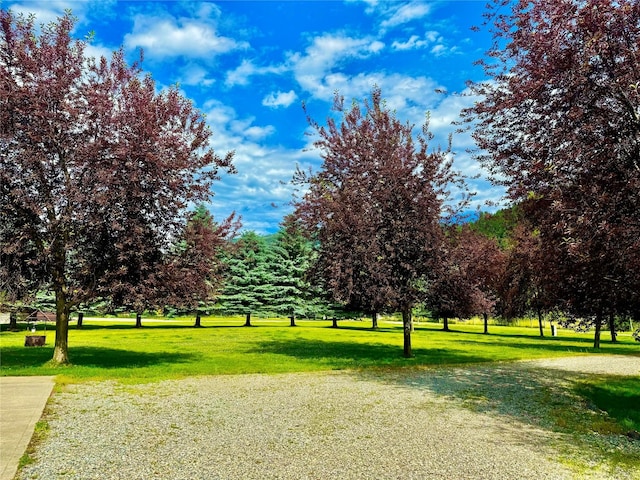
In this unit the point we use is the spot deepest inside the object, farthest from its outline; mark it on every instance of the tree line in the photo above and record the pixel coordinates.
(97, 170)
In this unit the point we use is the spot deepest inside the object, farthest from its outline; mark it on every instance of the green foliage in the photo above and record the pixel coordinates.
(249, 277)
(498, 225)
(44, 301)
(266, 275)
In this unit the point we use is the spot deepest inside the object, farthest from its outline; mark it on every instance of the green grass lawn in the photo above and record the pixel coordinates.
(165, 349)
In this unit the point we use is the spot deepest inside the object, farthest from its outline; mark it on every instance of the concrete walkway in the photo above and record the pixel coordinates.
(22, 400)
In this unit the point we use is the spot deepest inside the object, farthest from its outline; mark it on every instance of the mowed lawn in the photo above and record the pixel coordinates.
(166, 349)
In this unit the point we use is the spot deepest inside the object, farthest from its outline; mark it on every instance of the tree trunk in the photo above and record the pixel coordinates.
(138, 320)
(406, 324)
(198, 320)
(540, 324)
(80, 319)
(247, 321)
(61, 346)
(596, 337)
(293, 319)
(335, 322)
(445, 321)
(374, 321)
(13, 322)
(485, 316)
(612, 328)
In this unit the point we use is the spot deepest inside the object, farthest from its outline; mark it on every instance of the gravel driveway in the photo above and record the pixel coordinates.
(477, 422)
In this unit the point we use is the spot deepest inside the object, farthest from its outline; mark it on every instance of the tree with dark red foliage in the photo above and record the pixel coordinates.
(527, 284)
(96, 167)
(468, 276)
(375, 208)
(193, 272)
(559, 123)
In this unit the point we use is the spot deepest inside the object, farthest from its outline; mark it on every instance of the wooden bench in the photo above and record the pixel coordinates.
(43, 316)
(35, 340)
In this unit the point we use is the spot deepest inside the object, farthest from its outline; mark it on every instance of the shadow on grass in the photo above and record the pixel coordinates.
(619, 397)
(553, 344)
(492, 334)
(96, 357)
(364, 328)
(147, 327)
(130, 326)
(349, 354)
(486, 335)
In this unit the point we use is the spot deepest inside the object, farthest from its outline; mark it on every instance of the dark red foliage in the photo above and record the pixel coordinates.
(96, 167)
(194, 271)
(468, 276)
(529, 283)
(375, 208)
(560, 125)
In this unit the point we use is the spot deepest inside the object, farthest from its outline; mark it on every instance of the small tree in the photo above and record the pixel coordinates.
(468, 274)
(375, 208)
(528, 282)
(193, 272)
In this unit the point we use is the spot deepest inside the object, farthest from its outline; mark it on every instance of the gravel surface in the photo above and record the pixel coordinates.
(478, 422)
(599, 364)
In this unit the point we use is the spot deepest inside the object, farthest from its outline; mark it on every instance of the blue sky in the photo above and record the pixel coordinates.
(249, 65)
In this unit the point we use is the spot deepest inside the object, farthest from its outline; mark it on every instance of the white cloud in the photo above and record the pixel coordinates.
(196, 75)
(399, 15)
(279, 99)
(371, 4)
(439, 50)
(264, 170)
(241, 75)
(43, 15)
(323, 55)
(441, 125)
(258, 133)
(414, 42)
(405, 94)
(433, 36)
(51, 10)
(376, 46)
(97, 51)
(167, 36)
(247, 69)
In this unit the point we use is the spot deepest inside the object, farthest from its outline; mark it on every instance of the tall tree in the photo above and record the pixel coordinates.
(301, 294)
(266, 275)
(96, 167)
(560, 124)
(375, 208)
(248, 278)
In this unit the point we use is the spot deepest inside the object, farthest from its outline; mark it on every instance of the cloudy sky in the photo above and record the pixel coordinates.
(249, 65)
